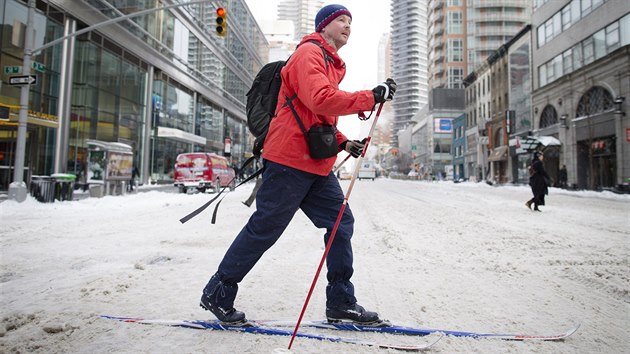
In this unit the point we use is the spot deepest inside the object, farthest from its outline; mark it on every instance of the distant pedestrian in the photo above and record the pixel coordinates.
(538, 178)
(134, 174)
(562, 177)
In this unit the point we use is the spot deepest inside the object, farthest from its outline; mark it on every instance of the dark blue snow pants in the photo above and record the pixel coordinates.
(285, 190)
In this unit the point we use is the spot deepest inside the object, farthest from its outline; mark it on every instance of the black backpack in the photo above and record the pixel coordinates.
(262, 99)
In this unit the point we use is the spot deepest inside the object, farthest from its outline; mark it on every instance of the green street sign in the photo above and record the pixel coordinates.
(39, 67)
(12, 70)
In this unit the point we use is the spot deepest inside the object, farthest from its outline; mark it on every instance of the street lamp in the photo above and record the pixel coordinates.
(618, 104)
(563, 121)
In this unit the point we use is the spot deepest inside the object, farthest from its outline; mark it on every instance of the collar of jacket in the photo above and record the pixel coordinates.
(332, 53)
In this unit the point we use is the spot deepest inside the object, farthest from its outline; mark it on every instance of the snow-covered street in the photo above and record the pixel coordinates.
(462, 256)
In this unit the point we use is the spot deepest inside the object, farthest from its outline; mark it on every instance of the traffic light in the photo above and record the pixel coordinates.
(221, 21)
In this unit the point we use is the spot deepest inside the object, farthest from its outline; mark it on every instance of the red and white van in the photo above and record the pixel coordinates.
(203, 171)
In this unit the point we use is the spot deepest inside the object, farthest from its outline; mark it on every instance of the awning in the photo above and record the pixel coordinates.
(180, 135)
(531, 142)
(499, 153)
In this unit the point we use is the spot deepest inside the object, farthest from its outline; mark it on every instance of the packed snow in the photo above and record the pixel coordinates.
(459, 256)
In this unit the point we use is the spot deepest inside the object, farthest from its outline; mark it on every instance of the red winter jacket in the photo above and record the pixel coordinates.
(319, 101)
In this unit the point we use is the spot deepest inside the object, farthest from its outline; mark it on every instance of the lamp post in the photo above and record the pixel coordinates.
(620, 142)
(17, 188)
(563, 121)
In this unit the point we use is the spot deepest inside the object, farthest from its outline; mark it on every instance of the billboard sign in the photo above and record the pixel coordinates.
(443, 125)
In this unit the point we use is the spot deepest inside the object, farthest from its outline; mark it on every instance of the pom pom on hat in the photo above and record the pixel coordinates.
(327, 14)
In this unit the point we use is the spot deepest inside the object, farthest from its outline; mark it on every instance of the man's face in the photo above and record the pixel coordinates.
(338, 30)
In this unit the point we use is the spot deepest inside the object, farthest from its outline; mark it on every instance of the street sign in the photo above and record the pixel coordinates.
(39, 66)
(23, 80)
(12, 69)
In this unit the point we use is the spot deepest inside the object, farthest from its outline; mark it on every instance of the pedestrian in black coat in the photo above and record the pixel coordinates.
(538, 180)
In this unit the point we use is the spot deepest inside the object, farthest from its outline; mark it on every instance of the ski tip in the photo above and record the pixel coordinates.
(558, 337)
(436, 337)
(572, 330)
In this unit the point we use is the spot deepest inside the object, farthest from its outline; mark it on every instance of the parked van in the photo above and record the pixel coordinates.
(367, 170)
(203, 171)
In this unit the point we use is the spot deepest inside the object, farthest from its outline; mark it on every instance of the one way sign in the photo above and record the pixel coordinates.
(23, 80)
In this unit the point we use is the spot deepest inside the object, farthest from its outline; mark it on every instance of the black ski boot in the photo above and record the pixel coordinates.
(218, 298)
(355, 313)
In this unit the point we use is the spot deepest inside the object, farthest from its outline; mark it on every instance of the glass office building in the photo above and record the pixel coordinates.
(163, 83)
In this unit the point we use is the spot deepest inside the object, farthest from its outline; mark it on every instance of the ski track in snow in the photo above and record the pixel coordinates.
(456, 256)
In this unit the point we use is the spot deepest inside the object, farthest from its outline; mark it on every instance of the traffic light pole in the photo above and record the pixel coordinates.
(17, 188)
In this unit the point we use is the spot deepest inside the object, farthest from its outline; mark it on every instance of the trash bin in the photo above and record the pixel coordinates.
(43, 188)
(64, 185)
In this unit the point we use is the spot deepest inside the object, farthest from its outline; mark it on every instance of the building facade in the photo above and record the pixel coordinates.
(409, 61)
(302, 13)
(581, 85)
(490, 24)
(163, 83)
(462, 35)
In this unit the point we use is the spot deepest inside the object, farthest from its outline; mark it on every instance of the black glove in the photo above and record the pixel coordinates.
(353, 147)
(385, 91)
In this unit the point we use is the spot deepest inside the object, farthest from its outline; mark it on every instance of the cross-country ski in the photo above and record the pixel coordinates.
(257, 328)
(418, 331)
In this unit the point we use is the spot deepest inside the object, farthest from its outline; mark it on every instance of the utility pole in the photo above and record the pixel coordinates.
(17, 188)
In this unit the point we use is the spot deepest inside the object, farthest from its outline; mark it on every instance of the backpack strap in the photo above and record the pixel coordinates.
(289, 100)
(206, 205)
(295, 114)
(327, 58)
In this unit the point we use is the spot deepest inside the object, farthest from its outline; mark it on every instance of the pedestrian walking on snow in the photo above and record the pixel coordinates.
(538, 181)
(294, 179)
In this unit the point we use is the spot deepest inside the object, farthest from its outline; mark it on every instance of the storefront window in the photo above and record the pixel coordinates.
(209, 123)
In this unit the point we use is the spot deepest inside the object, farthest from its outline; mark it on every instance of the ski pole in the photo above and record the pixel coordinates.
(341, 164)
(334, 230)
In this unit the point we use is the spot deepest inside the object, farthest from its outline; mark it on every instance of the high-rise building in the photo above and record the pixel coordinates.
(490, 24)
(409, 61)
(463, 33)
(302, 13)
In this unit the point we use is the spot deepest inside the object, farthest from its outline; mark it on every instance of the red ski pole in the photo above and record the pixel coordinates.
(334, 230)
(341, 164)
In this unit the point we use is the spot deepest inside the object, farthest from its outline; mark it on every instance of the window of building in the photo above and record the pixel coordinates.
(599, 43)
(586, 6)
(577, 56)
(566, 17)
(542, 75)
(596, 100)
(540, 35)
(567, 61)
(557, 24)
(455, 22)
(588, 50)
(548, 117)
(624, 25)
(454, 3)
(455, 77)
(455, 50)
(548, 30)
(612, 37)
